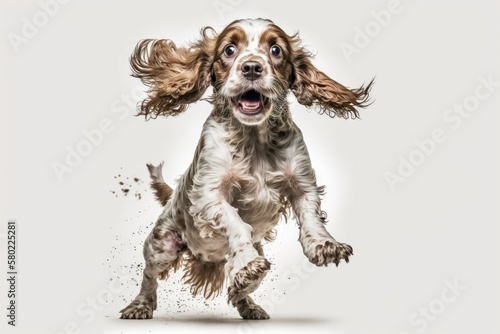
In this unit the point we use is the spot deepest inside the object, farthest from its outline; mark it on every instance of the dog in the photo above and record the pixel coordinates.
(251, 165)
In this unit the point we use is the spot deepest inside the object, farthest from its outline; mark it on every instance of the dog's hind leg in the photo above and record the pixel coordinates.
(162, 249)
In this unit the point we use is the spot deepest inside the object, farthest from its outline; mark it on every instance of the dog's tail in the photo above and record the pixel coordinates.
(163, 192)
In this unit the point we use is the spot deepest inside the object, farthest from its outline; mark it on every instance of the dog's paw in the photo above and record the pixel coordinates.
(329, 251)
(253, 312)
(137, 310)
(247, 279)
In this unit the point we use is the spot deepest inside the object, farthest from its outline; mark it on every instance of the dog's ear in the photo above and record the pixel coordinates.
(314, 88)
(176, 76)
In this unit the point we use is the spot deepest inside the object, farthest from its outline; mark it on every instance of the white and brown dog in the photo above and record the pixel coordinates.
(251, 163)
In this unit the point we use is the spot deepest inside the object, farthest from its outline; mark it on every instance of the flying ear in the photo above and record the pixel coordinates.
(176, 76)
(314, 88)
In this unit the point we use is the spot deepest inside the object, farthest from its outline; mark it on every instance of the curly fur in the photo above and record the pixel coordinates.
(176, 76)
(251, 166)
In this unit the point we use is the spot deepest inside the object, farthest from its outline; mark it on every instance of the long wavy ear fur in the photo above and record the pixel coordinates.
(176, 76)
(314, 88)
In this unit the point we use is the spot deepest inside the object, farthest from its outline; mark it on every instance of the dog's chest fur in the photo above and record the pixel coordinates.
(255, 182)
(249, 168)
(258, 192)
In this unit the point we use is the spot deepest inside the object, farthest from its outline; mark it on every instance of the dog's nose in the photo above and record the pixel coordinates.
(251, 70)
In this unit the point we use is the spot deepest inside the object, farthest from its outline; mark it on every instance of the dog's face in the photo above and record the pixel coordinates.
(252, 68)
(252, 64)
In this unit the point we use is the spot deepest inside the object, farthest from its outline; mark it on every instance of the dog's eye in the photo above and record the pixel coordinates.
(230, 50)
(275, 50)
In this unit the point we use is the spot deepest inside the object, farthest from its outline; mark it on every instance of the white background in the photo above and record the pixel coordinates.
(79, 242)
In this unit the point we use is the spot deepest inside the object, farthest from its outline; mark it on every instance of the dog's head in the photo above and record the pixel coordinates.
(252, 64)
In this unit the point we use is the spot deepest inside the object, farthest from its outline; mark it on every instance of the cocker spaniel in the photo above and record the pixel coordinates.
(251, 164)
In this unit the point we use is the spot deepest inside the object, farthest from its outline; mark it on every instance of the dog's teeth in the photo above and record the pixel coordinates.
(250, 106)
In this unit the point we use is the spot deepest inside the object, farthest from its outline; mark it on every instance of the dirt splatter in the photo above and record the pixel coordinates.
(126, 186)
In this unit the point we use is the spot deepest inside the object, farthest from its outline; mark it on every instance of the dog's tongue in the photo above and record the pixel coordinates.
(250, 102)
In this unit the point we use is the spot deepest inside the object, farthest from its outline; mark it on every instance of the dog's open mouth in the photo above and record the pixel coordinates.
(250, 102)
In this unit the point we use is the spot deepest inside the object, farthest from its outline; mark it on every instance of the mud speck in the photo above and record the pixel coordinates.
(126, 186)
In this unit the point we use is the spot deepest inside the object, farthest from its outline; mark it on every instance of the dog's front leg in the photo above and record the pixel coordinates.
(245, 268)
(318, 245)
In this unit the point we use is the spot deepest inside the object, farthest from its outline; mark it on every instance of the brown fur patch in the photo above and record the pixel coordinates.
(162, 192)
(230, 35)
